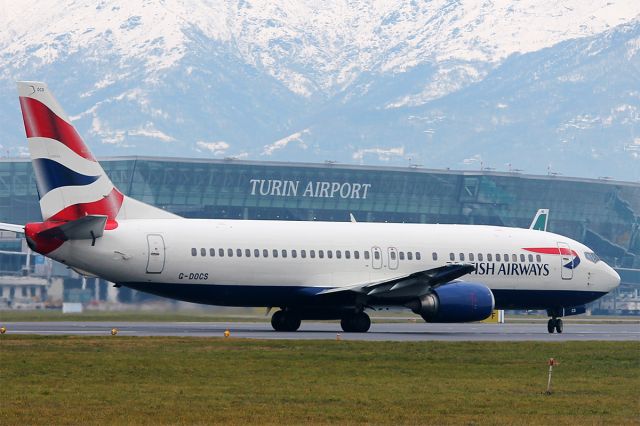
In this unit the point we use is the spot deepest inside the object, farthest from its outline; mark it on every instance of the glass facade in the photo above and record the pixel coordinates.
(605, 215)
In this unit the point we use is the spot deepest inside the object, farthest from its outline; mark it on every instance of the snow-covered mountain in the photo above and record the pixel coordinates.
(438, 83)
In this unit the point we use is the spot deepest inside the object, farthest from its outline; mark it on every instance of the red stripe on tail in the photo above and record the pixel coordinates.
(40, 121)
(108, 206)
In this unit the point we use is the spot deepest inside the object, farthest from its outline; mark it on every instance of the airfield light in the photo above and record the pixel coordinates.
(114, 331)
(338, 336)
(227, 333)
(3, 330)
(551, 363)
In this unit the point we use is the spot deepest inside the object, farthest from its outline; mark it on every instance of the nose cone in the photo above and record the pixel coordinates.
(612, 279)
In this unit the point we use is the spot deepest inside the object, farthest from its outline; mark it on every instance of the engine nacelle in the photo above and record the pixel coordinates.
(456, 302)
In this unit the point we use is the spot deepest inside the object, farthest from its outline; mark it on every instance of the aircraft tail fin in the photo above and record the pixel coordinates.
(71, 183)
(540, 220)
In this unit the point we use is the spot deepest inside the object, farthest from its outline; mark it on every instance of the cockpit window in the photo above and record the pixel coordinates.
(591, 256)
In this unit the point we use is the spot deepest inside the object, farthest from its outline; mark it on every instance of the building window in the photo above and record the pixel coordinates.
(194, 252)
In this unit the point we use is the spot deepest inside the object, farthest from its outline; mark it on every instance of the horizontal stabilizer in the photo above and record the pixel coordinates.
(87, 227)
(12, 228)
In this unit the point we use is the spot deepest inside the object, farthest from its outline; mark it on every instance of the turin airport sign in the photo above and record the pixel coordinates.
(314, 189)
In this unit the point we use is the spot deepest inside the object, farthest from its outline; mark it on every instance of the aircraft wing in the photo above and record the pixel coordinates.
(415, 284)
(12, 228)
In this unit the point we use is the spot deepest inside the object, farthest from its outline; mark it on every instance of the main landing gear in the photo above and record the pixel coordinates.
(286, 320)
(554, 324)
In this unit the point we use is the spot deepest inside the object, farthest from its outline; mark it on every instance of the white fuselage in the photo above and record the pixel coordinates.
(188, 252)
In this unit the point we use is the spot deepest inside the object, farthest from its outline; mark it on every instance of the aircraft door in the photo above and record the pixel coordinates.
(376, 257)
(155, 264)
(392, 252)
(566, 261)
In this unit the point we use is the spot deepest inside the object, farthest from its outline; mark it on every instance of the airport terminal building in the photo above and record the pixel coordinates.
(603, 214)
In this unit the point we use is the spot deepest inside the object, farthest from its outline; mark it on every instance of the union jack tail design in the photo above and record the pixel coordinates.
(71, 183)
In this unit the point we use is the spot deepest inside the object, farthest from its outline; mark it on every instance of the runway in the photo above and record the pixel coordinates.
(328, 330)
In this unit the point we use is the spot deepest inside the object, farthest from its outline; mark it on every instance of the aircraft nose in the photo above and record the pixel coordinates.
(612, 278)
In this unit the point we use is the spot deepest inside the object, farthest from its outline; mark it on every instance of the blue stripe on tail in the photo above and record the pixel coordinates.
(51, 175)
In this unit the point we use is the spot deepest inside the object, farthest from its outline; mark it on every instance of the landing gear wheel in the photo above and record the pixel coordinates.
(285, 321)
(356, 323)
(559, 325)
(551, 325)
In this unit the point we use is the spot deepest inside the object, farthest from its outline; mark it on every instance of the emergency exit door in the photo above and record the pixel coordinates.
(155, 264)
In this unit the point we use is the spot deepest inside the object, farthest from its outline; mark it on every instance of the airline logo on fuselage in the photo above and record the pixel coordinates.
(559, 251)
(512, 269)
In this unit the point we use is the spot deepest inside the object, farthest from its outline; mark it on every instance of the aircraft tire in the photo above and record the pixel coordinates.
(559, 325)
(284, 321)
(551, 325)
(357, 323)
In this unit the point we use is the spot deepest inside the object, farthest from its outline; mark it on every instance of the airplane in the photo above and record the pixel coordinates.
(309, 270)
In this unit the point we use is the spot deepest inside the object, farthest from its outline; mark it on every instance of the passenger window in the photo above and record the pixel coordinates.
(376, 255)
(247, 252)
(230, 252)
(284, 253)
(221, 252)
(538, 258)
(275, 253)
(480, 257)
(347, 254)
(497, 257)
(489, 257)
(366, 254)
(522, 258)
(312, 254)
(329, 254)
(409, 255)
(203, 252)
(338, 254)
(471, 258)
(461, 257)
(212, 252)
(514, 258)
(392, 255)
(506, 258)
(356, 254)
(452, 257)
(321, 254)
(530, 258)
(239, 252)
(303, 254)
(265, 253)
(256, 253)
(401, 255)
(418, 256)
(194, 252)
(294, 253)
(434, 255)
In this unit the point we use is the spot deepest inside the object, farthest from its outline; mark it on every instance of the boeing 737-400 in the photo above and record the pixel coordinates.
(310, 270)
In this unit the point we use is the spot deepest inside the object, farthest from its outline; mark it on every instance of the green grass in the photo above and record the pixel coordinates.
(170, 380)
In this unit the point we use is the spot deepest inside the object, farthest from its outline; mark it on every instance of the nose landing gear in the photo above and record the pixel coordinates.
(555, 324)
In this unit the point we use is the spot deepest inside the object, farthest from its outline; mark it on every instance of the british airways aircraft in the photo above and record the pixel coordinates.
(309, 270)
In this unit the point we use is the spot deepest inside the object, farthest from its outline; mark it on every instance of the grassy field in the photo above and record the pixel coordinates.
(121, 380)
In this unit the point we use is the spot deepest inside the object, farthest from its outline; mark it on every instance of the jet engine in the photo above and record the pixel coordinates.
(455, 302)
